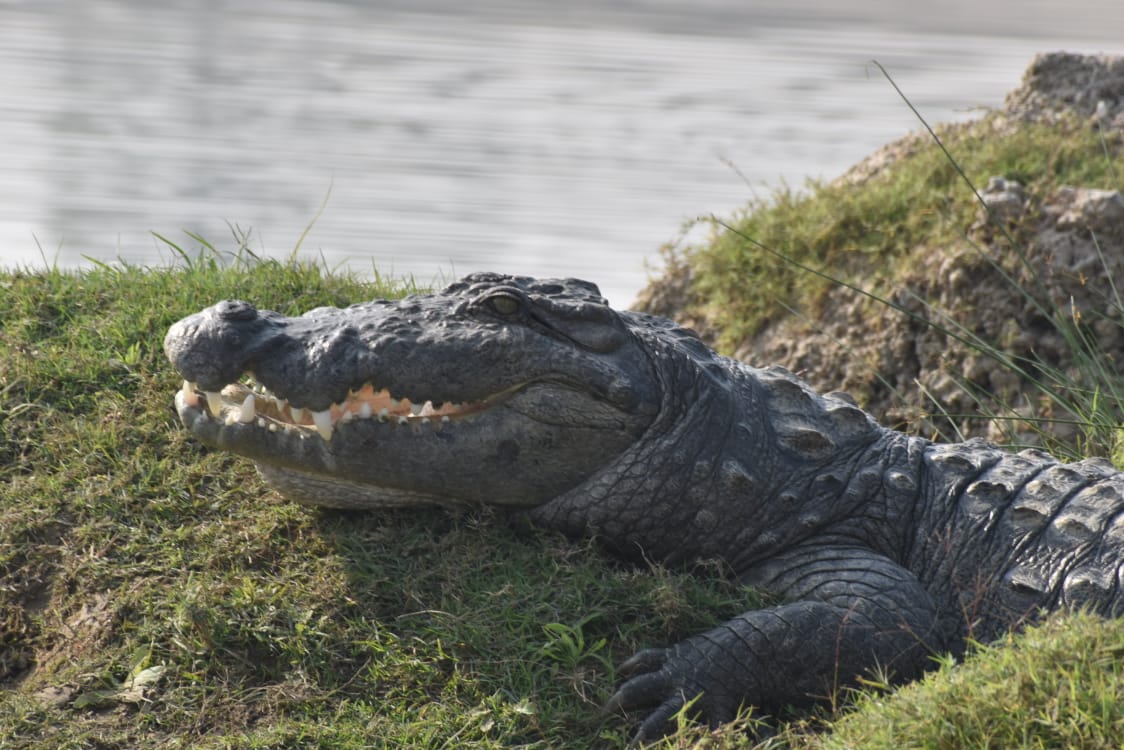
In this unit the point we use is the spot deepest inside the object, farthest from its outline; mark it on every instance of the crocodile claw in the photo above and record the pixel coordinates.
(664, 682)
(648, 660)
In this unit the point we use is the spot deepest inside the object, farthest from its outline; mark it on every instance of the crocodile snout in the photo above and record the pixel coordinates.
(211, 348)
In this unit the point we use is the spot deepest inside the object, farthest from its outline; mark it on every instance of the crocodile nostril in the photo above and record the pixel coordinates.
(236, 310)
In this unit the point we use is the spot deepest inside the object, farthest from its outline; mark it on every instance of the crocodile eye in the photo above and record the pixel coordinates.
(505, 304)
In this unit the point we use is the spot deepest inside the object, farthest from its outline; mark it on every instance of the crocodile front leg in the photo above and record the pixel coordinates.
(845, 611)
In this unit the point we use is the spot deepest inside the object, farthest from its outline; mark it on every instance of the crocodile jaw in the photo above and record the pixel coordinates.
(371, 451)
(252, 403)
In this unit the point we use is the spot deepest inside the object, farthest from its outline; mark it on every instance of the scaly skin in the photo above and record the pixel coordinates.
(534, 395)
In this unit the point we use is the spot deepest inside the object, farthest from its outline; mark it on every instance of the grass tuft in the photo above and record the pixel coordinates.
(1060, 684)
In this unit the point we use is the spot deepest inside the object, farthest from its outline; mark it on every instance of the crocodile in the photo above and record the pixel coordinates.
(880, 549)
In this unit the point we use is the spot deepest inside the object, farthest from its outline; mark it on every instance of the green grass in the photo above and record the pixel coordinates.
(1059, 685)
(863, 235)
(154, 593)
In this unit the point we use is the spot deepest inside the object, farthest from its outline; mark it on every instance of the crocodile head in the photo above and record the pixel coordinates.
(499, 390)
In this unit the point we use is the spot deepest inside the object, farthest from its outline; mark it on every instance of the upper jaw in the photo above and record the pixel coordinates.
(315, 362)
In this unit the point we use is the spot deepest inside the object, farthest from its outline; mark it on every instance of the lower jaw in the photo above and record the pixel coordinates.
(318, 490)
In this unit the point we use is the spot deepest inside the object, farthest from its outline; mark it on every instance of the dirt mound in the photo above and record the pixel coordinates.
(921, 364)
(1037, 268)
(1088, 85)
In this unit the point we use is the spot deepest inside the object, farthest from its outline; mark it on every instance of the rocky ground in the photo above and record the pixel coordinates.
(1032, 271)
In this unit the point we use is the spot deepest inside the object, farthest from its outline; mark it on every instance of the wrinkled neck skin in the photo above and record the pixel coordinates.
(739, 463)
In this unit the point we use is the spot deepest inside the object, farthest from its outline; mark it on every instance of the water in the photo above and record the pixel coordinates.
(529, 137)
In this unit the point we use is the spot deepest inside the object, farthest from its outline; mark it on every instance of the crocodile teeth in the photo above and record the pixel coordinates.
(323, 422)
(214, 402)
(190, 397)
(247, 412)
(249, 402)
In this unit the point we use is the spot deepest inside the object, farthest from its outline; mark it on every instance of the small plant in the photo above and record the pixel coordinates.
(566, 645)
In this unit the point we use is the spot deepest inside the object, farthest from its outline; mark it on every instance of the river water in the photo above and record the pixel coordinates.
(443, 137)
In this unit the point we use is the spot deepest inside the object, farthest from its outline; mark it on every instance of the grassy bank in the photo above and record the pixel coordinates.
(154, 594)
(862, 229)
(941, 316)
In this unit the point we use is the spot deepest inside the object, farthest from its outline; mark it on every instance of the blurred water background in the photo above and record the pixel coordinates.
(533, 137)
